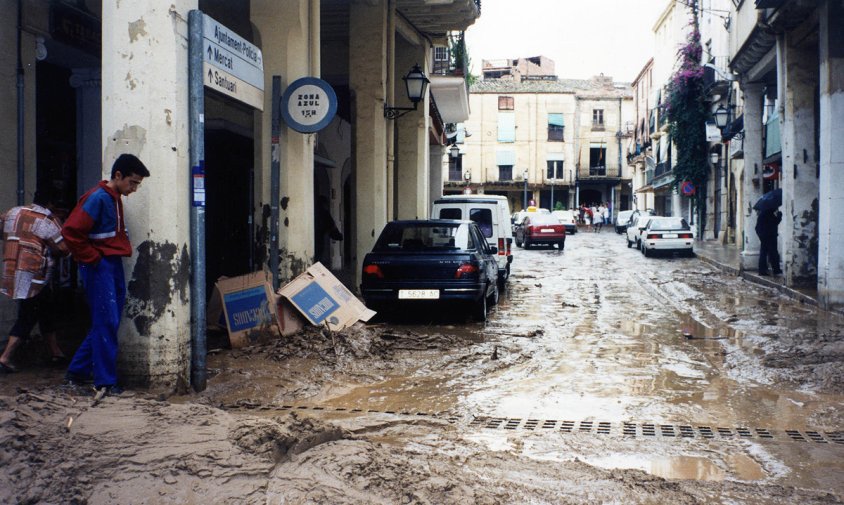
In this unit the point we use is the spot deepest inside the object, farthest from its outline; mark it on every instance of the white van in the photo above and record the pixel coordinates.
(491, 213)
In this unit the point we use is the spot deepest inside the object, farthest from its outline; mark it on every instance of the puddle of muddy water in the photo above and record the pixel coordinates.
(741, 466)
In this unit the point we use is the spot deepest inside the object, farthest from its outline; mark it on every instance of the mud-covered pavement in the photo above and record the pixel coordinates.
(602, 377)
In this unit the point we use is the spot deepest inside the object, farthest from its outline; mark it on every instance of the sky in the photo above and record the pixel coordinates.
(584, 37)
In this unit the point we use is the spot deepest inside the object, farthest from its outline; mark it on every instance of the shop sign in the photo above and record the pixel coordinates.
(75, 28)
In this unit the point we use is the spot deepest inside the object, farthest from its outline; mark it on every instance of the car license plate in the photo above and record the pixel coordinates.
(419, 294)
(546, 230)
(669, 235)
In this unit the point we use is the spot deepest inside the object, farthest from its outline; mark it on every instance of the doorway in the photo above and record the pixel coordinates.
(228, 186)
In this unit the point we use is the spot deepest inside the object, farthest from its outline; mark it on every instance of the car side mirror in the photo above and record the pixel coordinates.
(493, 249)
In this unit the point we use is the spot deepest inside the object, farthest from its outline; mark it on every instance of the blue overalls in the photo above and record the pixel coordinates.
(105, 290)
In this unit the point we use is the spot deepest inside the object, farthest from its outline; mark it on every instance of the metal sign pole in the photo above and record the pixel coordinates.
(196, 93)
(275, 178)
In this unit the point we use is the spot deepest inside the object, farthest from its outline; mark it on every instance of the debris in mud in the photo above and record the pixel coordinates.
(536, 332)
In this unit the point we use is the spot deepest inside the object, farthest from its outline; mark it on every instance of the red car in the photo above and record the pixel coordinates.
(541, 229)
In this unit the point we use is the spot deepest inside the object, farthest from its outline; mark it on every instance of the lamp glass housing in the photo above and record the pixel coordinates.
(721, 115)
(714, 158)
(454, 151)
(416, 84)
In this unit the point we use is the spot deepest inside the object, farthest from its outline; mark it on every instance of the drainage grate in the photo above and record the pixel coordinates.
(627, 429)
(662, 431)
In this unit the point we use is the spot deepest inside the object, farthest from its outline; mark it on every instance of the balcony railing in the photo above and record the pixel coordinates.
(600, 171)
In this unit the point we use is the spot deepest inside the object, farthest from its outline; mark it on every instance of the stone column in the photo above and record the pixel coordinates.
(435, 172)
(88, 85)
(367, 77)
(752, 173)
(831, 202)
(145, 113)
(411, 165)
(284, 34)
(798, 230)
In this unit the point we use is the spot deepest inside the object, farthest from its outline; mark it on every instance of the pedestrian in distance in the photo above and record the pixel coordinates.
(587, 218)
(95, 233)
(767, 223)
(32, 240)
(596, 219)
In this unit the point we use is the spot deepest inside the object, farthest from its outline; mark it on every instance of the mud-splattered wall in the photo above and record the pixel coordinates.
(145, 112)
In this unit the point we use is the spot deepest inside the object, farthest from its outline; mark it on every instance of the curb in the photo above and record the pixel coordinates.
(763, 281)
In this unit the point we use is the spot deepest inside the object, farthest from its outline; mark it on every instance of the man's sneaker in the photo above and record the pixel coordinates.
(113, 390)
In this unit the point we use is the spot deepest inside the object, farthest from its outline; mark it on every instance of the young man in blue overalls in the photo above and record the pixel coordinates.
(96, 236)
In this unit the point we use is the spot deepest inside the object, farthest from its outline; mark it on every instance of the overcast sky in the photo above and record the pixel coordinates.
(583, 37)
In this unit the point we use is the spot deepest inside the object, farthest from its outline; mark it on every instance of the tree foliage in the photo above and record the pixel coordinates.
(686, 113)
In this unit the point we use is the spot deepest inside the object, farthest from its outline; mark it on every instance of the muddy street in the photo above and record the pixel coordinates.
(601, 377)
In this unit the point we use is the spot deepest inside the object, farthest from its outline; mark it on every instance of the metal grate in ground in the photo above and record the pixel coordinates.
(651, 431)
(661, 431)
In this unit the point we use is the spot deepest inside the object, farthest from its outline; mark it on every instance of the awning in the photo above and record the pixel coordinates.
(555, 119)
(452, 98)
(734, 128)
(555, 157)
(506, 158)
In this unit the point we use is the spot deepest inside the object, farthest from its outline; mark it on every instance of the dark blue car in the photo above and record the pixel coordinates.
(433, 261)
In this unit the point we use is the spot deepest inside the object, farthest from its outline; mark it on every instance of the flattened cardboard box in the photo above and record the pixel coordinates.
(248, 306)
(324, 300)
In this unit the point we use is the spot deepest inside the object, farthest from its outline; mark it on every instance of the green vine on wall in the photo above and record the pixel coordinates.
(686, 113)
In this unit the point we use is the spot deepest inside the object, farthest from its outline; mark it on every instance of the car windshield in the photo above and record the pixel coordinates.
(668, 224)
(624, 216)
(424, 236)
(543, 219)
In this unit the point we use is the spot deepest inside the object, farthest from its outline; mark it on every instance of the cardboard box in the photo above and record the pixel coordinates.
(323, 300)
(248, 306)
(289, 320)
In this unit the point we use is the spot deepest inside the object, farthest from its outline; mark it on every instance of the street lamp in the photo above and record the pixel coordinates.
(454, 151)
(416, 83)
(714, 157)
(467, 176)
(525, 177)
(722, 116)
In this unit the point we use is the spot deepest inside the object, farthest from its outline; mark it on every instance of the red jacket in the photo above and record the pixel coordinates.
(95, 228)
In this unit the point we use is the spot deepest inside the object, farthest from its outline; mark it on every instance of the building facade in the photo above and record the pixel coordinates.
(788, 58)
(90, 80)
(555, 142)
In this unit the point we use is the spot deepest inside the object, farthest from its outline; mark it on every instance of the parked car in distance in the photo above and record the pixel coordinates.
(541, 229)
(635, 229)
(671, 234)
(519, 216)
(431, 261)
(622, 219)
(567, 219)
(492, 215)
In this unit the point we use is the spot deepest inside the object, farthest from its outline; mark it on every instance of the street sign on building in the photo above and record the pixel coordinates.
(308, 105)
(232, 65)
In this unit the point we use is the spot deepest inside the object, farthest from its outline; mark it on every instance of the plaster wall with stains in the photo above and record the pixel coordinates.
(284, 35)
(800, 166)
(145, 112)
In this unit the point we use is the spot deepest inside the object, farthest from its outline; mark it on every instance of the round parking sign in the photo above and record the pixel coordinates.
(687, 188)
(308, 105)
